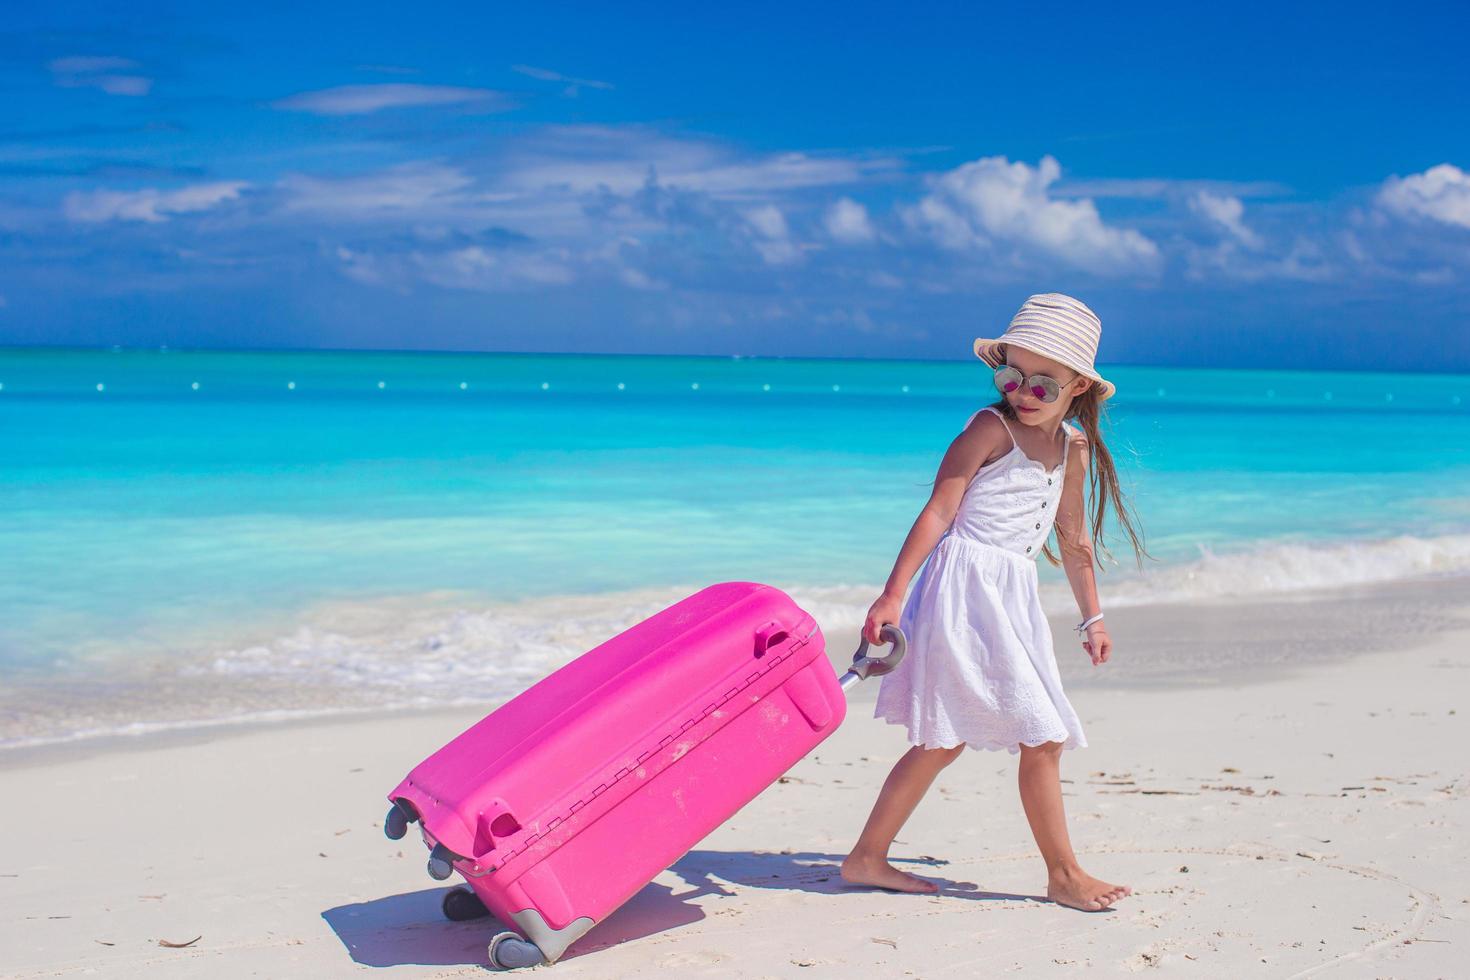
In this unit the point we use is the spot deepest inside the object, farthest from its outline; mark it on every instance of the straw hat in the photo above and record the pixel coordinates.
(1055, 326)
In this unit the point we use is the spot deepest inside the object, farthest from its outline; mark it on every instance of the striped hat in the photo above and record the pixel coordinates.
(1055, 326)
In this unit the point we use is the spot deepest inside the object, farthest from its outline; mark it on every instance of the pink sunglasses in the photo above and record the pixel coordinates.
(1043, 388)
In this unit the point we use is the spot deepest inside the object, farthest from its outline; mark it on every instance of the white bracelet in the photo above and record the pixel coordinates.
(1087, 622)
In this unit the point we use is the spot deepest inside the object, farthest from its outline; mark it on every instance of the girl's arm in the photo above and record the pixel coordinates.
(961, 461)
(1076, 548)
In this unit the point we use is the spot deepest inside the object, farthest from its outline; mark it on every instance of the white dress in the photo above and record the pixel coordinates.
(980, 667)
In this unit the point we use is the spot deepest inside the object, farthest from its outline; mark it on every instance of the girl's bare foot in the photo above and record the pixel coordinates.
(880, 874)
(1079, 890)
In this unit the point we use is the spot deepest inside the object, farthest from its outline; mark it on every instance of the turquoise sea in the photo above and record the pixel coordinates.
(193, 537)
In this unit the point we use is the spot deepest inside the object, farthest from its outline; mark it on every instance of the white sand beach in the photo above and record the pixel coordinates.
(1289, 799)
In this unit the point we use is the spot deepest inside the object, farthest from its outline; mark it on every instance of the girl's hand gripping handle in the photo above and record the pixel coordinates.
(864, 666)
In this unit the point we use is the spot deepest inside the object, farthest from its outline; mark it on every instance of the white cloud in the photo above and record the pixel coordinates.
(473, 267)
(991, 201)
(772, 237)
(847, 222)
(1440, 193)
(768, 220)
(493, 270)
(112, 75)
(1226, 213)
(149, 204)
(360, 266)
(619, 159)
(638, 279)
(863, 322)
(426, 194)
(423, 190)
(1159, 187)
(89, 64)
(1305, 261)
(354, 100)
(573, 85)
(583, 184)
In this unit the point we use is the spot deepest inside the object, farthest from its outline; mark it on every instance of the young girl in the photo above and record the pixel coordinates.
(980, 669)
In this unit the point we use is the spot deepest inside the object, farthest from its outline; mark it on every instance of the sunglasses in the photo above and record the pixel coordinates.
(1042, 388)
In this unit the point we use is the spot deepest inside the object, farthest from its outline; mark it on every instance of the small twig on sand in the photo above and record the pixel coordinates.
(172, 945)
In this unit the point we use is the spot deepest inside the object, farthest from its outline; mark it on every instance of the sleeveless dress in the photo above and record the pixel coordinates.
(980, 667)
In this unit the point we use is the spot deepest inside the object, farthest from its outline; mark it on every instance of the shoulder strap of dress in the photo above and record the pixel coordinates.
(1069, 431)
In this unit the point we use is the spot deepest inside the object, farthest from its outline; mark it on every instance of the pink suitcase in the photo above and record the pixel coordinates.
(564, 802)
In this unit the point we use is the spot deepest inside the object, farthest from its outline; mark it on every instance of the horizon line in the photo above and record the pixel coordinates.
(167, 348)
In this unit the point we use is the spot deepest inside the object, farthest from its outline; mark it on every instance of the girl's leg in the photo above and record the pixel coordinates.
(1041, 796)
(905, 786)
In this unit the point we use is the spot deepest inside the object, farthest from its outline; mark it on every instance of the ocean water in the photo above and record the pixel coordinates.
(194, 537)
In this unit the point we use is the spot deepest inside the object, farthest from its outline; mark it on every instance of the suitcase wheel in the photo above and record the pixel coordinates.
(510, 952)
(462, 905)
(440, 866)
(395, 824)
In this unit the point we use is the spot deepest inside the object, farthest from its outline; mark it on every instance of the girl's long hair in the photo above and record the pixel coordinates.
(1087, 410)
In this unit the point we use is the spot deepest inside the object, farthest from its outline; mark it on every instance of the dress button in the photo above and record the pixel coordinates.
(1038, 524)
(1028, 547)
(1048, 481)
(1043, 503)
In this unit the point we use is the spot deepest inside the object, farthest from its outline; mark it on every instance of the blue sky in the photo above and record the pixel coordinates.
(1255, 184)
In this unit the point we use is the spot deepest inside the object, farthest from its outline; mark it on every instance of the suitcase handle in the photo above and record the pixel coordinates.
(864, 666)
(767, 636)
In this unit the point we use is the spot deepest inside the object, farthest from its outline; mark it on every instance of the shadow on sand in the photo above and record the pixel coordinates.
(409, 928)
(810, 871)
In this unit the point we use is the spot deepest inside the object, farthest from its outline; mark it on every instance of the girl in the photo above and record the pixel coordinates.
(980, 669)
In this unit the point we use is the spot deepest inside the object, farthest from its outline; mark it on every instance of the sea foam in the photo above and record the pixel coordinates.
(436, 649)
